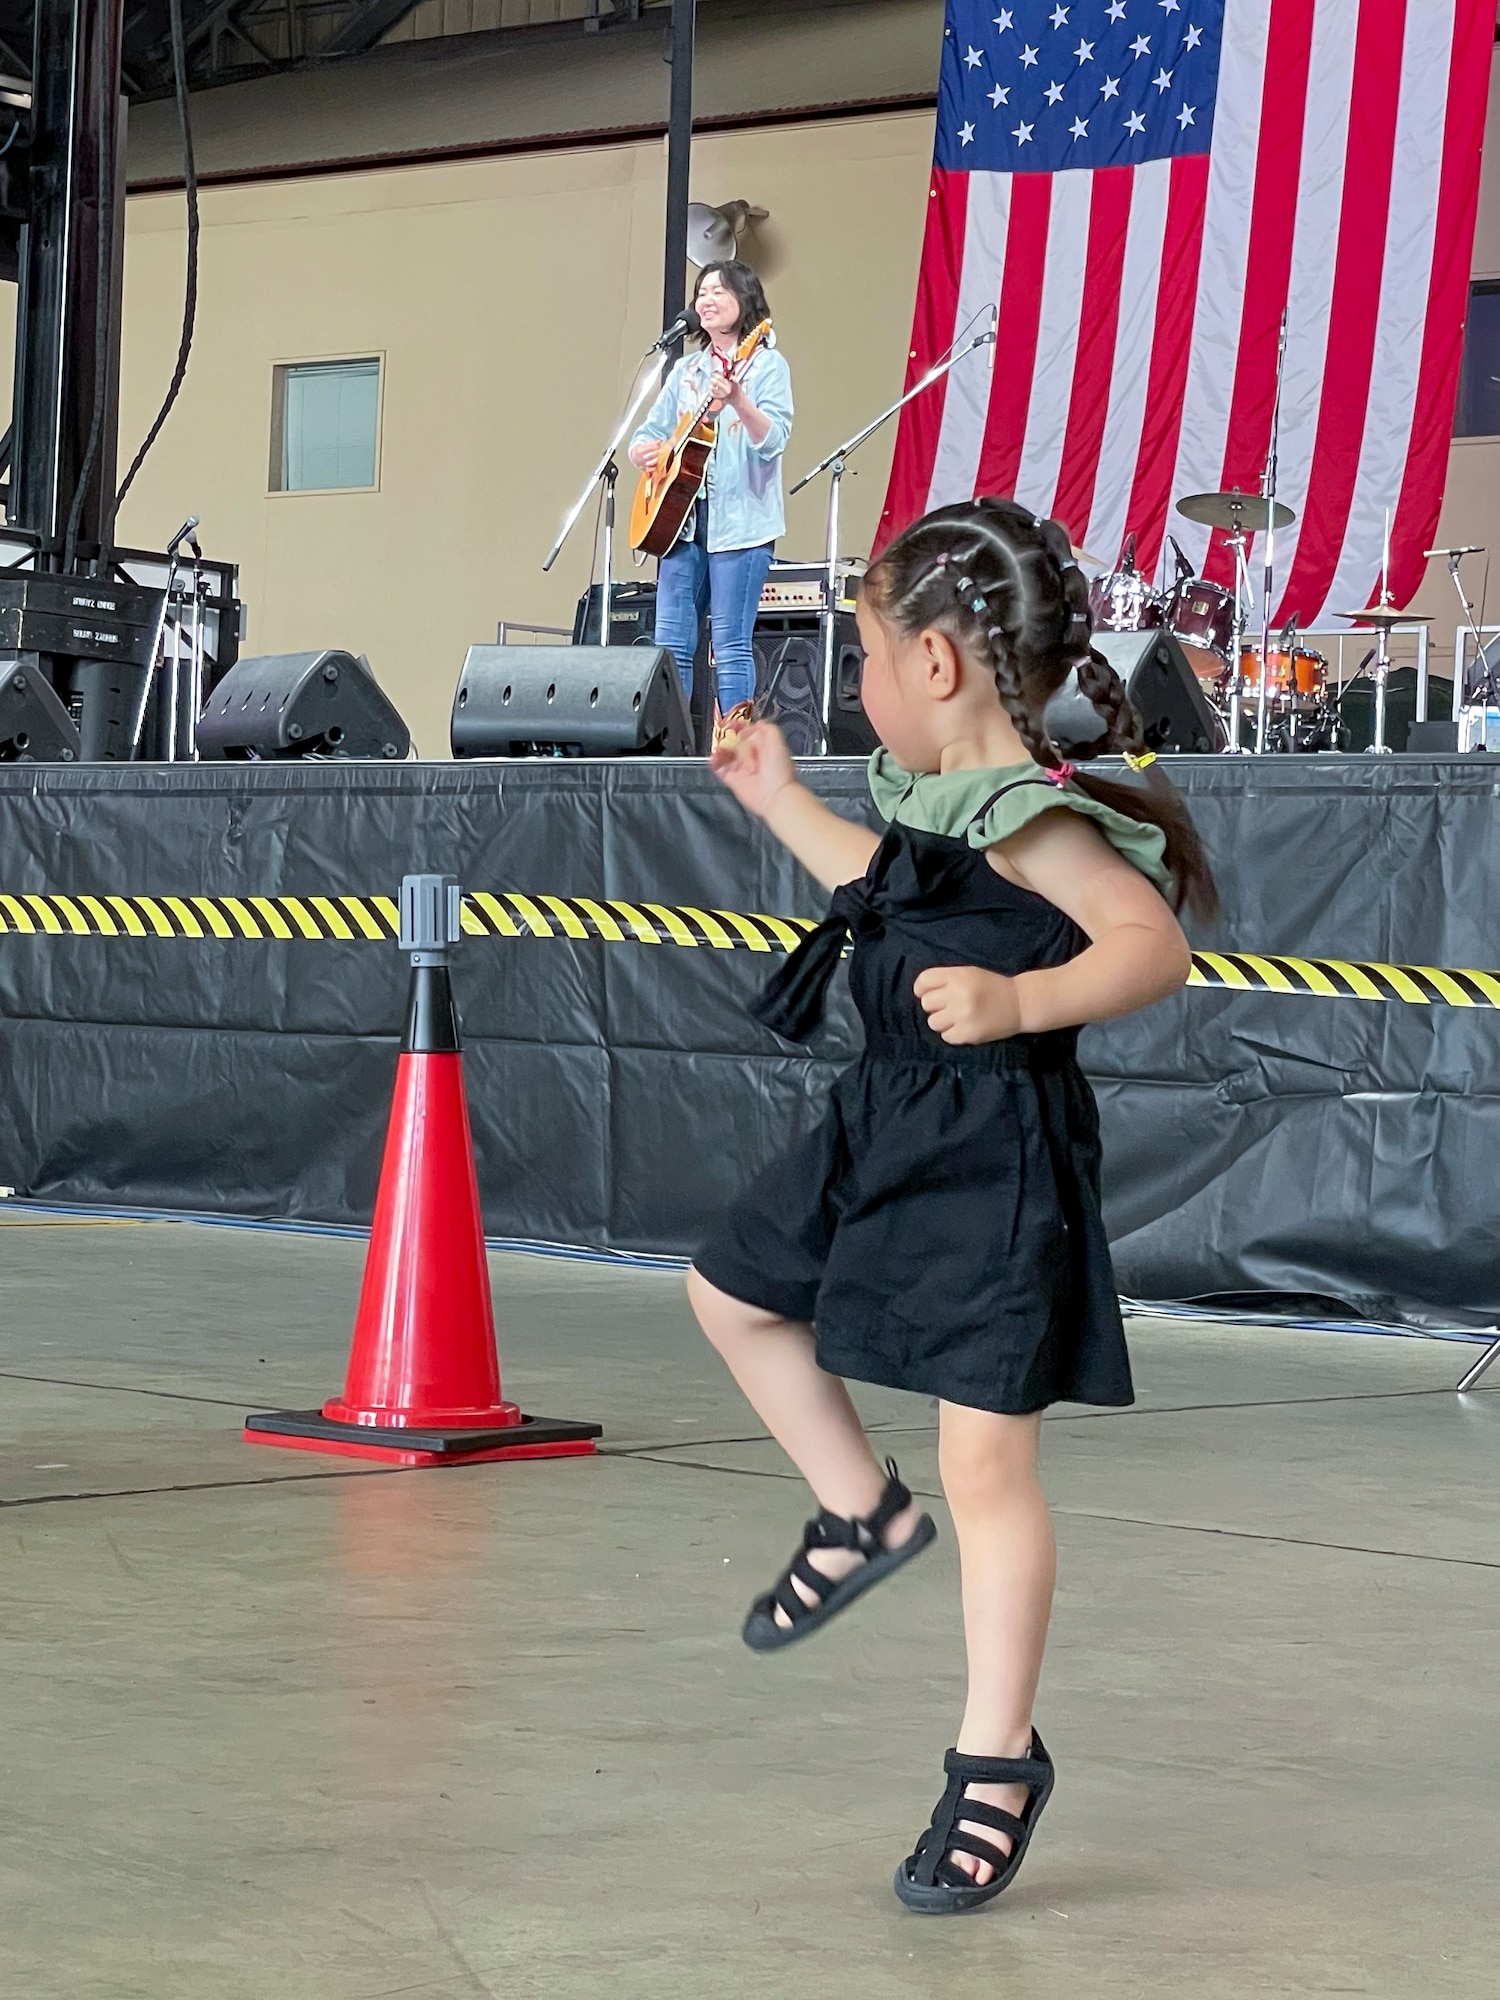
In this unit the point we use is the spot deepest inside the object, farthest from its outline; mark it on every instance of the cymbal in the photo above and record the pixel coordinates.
(1232, 510)
(1082, 555)
(1385, 614)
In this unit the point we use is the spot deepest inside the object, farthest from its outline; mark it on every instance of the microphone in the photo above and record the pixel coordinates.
(686, 322)
(1184, 567)
(182, 534)
(1469, 549)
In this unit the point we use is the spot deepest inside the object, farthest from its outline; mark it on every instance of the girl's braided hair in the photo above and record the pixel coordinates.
(1004, 586)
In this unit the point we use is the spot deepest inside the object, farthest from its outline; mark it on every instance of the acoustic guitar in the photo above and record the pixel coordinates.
(669, 488)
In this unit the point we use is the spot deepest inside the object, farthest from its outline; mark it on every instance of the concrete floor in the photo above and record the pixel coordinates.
(277, 1725)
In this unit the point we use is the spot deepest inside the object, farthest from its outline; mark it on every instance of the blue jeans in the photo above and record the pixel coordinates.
(689, 581)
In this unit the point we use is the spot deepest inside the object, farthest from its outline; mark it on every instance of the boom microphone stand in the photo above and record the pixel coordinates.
(836, 462)
(608, 471)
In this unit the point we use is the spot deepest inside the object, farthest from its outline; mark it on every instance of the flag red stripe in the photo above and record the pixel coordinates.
(1416, 516)
(1354, 315)
(1093, 368)
(933, 328)
(1171, 347)
(1016, 333)
(1268, 262)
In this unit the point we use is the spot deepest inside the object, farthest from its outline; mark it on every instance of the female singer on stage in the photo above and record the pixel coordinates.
(720, 560)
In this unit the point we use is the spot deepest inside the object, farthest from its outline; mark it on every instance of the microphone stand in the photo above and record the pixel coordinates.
(609, 472)
(1268, 494)
(836, 463)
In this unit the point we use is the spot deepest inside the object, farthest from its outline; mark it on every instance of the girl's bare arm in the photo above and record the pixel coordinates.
(1137, 953)
(757, 767)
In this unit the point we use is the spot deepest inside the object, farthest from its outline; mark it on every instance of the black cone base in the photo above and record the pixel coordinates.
(533, 1437)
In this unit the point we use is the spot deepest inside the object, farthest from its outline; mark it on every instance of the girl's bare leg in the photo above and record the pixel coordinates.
(1009, 1562)
(808, 1413)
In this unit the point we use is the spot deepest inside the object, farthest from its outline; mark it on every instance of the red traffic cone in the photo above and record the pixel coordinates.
(423, 1386)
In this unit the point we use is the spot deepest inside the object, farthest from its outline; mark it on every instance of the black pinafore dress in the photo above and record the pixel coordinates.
(941, 1228)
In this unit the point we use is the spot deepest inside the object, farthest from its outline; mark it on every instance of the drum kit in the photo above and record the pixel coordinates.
(1211, 623)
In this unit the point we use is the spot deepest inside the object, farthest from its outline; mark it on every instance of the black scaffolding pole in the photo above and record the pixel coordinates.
(679, 159)
(68, 309)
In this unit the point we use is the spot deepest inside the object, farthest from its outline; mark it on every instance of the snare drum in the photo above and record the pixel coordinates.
(1200, 616)
(1301, 671)
(1124, 602)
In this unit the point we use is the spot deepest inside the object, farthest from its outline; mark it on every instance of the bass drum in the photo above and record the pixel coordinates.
(1200, 616)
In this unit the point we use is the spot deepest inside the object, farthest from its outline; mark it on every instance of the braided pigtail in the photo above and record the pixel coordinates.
(1098, 681)
(1006, 588)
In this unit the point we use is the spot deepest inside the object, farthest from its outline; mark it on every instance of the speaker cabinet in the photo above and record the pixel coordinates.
(35, 728)
(632, 615)
(1163, 691)
(323, 704)
(789, 676)
(570, 701)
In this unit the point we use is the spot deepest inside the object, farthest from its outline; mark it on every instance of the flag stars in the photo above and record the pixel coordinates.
(1117, 10)
(999, 95)
(1029, 57)
(1084, 52)
(1135, 124)
(1109, 88)
(1005, 19)
(1059, 17)
(1054, 93)
(1141, 46)
(1022, 134)
(1163, 80)
(1170, 7)
(972, 58)
(1185, 116)
(1079, 128)
(966, 135)
(1194, 37)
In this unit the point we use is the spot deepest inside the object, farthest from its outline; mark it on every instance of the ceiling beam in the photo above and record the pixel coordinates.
(371, 24)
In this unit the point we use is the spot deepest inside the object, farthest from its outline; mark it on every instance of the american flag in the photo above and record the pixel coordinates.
(1141, 187)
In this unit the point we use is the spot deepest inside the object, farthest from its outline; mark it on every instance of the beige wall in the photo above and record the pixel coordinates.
(509, 299)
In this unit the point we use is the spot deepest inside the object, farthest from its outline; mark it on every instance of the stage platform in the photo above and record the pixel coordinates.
(621, 1094)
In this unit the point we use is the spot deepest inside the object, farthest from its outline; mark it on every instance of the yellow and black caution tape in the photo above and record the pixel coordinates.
(354, 918)
(613, 921)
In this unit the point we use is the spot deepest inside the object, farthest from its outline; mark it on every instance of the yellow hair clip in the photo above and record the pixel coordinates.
(1140, 763)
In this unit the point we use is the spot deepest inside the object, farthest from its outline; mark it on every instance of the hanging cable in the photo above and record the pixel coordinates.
(190, 292)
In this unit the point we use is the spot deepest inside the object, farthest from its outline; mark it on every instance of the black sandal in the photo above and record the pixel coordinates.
(764, 1632)
(932, 1885)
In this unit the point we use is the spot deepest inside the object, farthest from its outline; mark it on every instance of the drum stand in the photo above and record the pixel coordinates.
(1243, 598)
(836, 464)
(1268, 494)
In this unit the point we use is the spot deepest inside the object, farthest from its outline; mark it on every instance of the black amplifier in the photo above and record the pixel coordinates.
(78, 617)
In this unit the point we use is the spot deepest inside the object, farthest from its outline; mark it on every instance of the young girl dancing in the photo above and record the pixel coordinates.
(941, 1230)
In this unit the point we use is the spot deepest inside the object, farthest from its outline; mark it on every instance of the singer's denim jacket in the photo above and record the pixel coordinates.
(744, 479)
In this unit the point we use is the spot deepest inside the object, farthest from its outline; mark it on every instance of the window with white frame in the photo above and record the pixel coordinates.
(325, 425)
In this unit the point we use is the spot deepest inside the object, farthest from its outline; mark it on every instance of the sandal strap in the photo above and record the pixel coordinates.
(1032, 1772)
(895, 1497)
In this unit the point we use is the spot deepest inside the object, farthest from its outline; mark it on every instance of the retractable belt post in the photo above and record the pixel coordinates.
(423, 1386)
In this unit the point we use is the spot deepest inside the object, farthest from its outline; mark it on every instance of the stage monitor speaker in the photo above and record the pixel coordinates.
(35, 728)
(324, 704)
(1163, 692)
(789, 675)
(570, 701)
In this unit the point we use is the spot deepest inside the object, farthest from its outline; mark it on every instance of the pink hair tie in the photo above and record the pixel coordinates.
(1060, 774)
